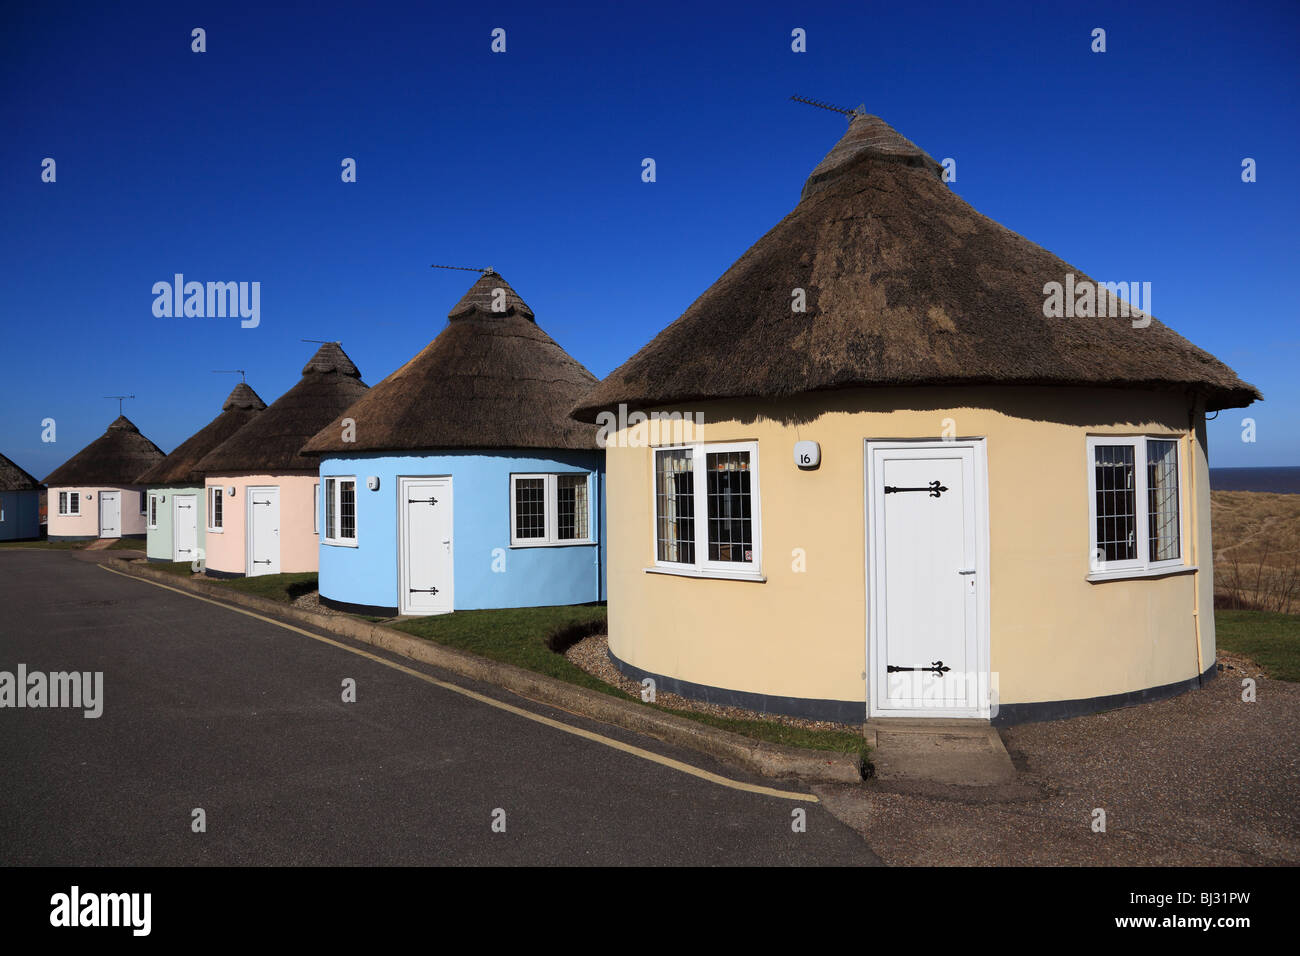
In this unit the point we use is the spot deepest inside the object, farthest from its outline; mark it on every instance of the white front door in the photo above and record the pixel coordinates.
(425, 545)
(185, 527)
(110, 514)
(926, 579)
(263, 531)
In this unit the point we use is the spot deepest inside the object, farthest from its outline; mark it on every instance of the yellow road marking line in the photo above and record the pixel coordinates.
(500, 705)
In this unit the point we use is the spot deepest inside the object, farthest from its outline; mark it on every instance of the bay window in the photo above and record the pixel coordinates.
(1135, 509)
(706, 508)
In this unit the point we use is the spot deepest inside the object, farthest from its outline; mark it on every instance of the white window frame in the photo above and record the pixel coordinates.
(70, 504)
(551, 513)
(152, 512)
(336, 494)
(315, 508)
(703, 567)
(209, 506)
(1141, 566)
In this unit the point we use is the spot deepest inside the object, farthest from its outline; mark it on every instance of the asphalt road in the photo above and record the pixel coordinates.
(208, 708)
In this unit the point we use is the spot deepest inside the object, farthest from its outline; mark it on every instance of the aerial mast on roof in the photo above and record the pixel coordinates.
(488, 271)
(860, 111)
(120, 399)
(230, 371)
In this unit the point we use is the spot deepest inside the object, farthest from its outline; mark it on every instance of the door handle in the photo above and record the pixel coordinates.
(966, 571)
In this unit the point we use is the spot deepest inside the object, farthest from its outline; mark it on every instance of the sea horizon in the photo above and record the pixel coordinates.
(1279, 479)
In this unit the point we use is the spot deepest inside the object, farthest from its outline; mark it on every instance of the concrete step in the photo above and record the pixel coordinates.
(967, 752)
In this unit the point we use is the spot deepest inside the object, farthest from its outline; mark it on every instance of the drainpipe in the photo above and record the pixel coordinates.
(601, 531)
(1192, 412)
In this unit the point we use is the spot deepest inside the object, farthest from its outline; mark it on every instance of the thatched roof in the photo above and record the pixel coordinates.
(906, 284)
(116, 457)
(13, 478)
(271, 442)
(239, 409)
(489, 380)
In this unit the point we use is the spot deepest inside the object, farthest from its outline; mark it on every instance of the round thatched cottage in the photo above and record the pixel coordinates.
(463, 482)
(96, 493)
(909, 483)
(262, 503)
(176, 505)
(20, 503)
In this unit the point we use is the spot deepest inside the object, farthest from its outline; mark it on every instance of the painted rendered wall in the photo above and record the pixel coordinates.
(19, 515)
(225, 549)
(159, 546)
(1054, 635)
(532, 576)
(86, 525)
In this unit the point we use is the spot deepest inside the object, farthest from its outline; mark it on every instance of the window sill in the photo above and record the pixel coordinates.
(340, 544)
(718, 575)
(1125, 573)
(216, 531)
(551, 544)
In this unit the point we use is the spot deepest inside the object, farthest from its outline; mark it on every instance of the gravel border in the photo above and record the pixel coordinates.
(592, 655)
(311, 602)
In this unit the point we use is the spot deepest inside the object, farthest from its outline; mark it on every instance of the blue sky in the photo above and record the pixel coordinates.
(225, 166)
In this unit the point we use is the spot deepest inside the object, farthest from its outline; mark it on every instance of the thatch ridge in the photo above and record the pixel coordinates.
(330, 357)
(240, 407)
(271, 442)
(489, 380)
(480, 298)
(117, 457)
(906, 284)
(15, 478)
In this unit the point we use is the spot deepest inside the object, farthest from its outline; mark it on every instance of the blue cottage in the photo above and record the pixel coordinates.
(460, 481)
(20, 503)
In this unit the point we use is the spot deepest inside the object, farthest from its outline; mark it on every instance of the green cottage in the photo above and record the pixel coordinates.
(175, 513)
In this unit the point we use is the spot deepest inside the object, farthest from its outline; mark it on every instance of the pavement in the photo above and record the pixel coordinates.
(206, 708)
(1201, 779)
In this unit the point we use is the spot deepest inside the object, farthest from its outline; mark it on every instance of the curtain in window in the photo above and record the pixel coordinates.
(675, 505)
(571, 507)
(1162, 500)
(330, 523)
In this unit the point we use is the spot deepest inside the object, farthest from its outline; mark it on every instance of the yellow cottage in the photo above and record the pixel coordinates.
(901, 462)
